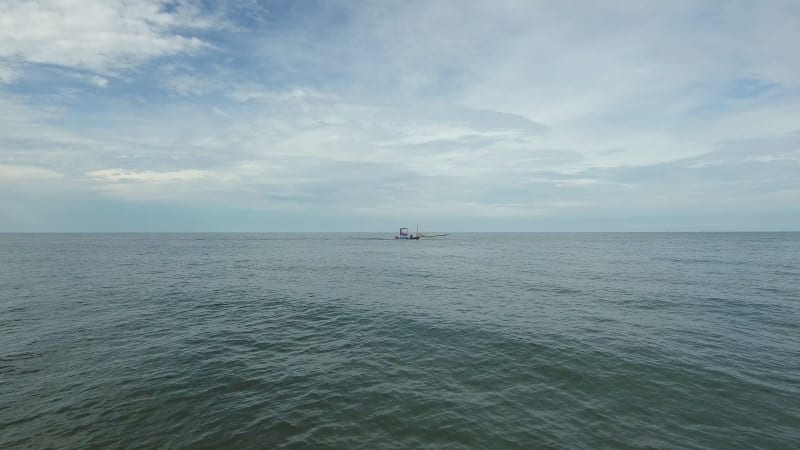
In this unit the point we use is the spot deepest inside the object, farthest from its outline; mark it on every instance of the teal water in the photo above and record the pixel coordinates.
(576, 341)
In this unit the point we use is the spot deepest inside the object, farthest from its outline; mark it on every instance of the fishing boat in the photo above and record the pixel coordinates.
(404, 234)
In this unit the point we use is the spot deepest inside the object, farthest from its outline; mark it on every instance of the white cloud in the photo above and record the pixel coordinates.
(185, 185)
(98, 81)
(26, 173)
(8, 73)
(148, 176)
(97, 35)
(295, 94)
(92, 79)
(186, 85)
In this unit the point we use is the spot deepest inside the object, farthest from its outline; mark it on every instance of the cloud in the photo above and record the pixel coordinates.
(519, 112)
(100, 36)
(292, 94)
(186, 84)
(8, 73)
(98, 81)
(26, 173)
(117, 175)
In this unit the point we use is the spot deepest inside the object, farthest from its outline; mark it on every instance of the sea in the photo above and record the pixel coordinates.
(360, 341)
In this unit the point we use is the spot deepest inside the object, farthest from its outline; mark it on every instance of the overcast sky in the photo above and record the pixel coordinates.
(151, 115)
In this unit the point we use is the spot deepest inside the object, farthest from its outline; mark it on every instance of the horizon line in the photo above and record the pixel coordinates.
(385, 232)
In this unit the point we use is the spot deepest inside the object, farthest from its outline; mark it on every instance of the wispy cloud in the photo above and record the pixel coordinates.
(101, 36)
(26, 173)
(149, 176)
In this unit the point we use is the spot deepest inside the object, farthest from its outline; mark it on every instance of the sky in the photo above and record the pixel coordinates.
(250, 115)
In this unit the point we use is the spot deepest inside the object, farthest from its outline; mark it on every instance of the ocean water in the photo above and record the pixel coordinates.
(574, 341)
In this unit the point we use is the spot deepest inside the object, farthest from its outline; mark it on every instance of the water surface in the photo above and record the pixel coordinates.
(554, 340)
